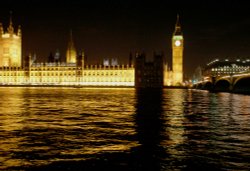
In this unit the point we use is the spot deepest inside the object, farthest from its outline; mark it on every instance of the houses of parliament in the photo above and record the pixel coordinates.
(17, 70)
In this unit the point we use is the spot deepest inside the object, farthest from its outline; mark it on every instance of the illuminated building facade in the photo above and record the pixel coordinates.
(75, 71)
(67, 74)
(72, 72)
(175, 77)
(222, 67)
(10, 46)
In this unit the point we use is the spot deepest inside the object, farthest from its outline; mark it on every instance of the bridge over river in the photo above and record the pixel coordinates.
(236, 83)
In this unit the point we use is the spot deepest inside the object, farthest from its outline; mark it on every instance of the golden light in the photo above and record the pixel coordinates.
(175, 77)
(13, 73)
(10, 46)
(53, 75)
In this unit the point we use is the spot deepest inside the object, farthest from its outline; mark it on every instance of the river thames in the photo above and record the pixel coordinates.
(123, 129)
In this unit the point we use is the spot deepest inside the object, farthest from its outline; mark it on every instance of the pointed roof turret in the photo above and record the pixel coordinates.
(71, 42)
(1, 29)
(10, 28)
(81, 52)
(71, 51)
(19, 32)
(178, 26)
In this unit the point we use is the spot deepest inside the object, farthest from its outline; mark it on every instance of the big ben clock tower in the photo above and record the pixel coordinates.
(177, 52)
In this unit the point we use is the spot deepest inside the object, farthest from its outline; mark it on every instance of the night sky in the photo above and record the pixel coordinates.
(114, 28)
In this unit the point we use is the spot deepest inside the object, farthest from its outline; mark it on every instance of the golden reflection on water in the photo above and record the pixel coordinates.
(60, 122)
(39, 126)
(174, 118)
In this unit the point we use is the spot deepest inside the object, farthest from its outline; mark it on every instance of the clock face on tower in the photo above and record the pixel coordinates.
(177, 43)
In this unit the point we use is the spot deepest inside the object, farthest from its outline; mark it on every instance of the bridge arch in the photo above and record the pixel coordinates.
(242, 85)
(222, 85)
(208, 86)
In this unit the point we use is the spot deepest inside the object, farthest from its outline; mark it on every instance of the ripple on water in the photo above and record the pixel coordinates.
(123, 129)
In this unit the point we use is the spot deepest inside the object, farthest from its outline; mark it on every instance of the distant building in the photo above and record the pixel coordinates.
(221, 67)
(10, 46)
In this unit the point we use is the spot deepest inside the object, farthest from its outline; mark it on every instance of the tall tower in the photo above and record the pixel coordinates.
(71, 51)
(10, 46)
(177, 52)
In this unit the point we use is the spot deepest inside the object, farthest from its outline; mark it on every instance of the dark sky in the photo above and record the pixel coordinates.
(114, 28)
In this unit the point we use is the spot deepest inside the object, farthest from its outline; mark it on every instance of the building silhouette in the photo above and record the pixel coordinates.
(149, 74)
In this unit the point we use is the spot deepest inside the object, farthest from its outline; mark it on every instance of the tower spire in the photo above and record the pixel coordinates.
(178, 26)
(10, 28)
(71, 51)
(71, 42)
(178, 20)
(1, 29)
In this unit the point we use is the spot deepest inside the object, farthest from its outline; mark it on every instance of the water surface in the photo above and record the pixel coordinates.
(123, 129)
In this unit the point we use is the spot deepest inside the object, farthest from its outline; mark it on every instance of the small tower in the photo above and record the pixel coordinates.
(19, 31)
(27, 67)
(1, 30)
(71, 51)
(10, 28)
(80, 60)
(177, 54)
(83, 58)
(79, 66)
(57, 56)
(10, 46)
